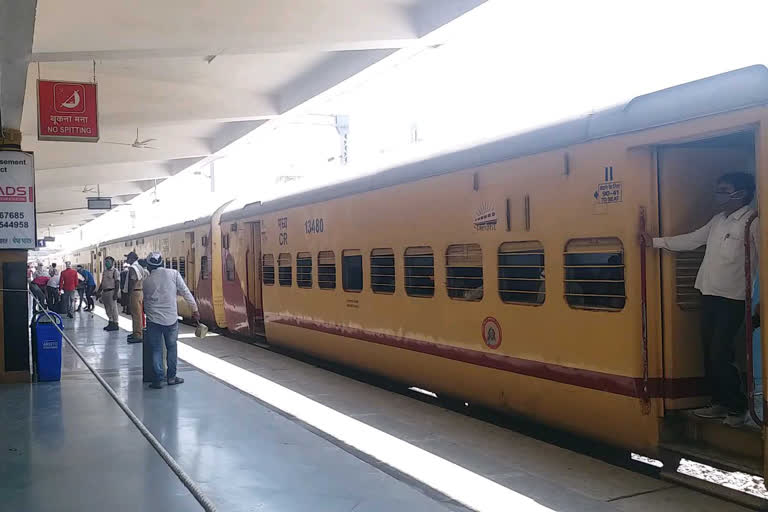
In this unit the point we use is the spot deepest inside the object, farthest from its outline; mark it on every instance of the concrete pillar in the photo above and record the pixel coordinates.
(14, 310)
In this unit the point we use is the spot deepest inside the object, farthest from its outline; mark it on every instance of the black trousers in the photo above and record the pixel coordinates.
(89, 289)
(721, 320)
(53, 296)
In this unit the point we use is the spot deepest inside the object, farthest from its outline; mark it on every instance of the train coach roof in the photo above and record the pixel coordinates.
(167, 229)
(725, 92)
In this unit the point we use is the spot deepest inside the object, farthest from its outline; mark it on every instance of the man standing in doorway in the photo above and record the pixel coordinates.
(722, 284)
(108, 291)
(68, 283)
(160, 291)
(136, 275)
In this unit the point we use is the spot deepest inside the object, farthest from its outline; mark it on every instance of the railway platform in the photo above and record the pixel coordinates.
(260, 431)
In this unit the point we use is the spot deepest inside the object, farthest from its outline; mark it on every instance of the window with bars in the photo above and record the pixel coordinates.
(268, 269)
(352, 270)
(304, 270)
(521, 272)
(464, 272)
(419, 272)
(204, 267)
(284, 269)
(229, 268)
(687, 265)
(182, 267)
(383, 271)
(326, 270)
(594, 274)
(175, 263)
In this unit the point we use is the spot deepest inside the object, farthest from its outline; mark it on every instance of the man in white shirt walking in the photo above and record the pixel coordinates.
(160, 291)
(721, 281)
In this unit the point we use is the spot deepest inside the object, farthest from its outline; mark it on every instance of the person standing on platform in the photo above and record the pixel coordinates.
(80, 289)
(160, 291)
(89, 285)
(68, 283)
(125, 297)
(136, 275)
(108, 290)
(52, 288)
(38, 287)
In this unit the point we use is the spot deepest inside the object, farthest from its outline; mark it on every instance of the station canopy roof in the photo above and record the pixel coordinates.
(189, 77)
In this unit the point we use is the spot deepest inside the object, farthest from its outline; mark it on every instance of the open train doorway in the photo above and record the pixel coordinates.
(190, 269)
(253, 278)
(688, 175)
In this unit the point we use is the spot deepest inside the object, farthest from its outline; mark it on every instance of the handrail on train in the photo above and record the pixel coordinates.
(748, 318)
(645, 393)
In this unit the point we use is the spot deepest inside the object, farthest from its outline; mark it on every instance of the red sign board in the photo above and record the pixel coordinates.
(67, 111)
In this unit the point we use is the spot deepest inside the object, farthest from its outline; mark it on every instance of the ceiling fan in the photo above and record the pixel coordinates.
(138, 144)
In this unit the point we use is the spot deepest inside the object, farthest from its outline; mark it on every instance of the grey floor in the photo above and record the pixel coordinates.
(68, 447)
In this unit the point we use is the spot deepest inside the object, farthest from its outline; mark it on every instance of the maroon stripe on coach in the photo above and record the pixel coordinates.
(607, 382)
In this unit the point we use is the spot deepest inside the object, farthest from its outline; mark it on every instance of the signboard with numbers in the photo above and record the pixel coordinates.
(17, 200)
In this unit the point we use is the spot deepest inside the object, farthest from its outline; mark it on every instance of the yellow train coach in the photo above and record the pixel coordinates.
(511, 274)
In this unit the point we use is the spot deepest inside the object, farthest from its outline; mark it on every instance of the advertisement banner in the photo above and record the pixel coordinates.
(17, 200)
(67, 111)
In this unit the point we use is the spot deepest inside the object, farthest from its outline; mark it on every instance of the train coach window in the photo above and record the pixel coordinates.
(183, 267)
(352, 271)
(521, 272)
(594, 273)
(419, 272)
(326, 270)
(304, 270)
(383, 271)
(284, 270)
(687, 265)
(268, 269)
(175, 263)
(204, 267)
(464, 271)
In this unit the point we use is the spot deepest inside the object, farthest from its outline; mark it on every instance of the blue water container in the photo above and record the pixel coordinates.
(48, 346)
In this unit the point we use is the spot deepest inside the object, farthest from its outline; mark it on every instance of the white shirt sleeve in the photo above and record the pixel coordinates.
(686, 242)
(181, 289)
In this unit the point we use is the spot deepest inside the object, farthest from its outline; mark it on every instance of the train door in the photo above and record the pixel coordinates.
(687, 176)
(253, 278)
(191, 264)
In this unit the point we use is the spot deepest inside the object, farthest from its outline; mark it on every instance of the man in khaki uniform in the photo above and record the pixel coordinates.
(136, 274)
(108, 291)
